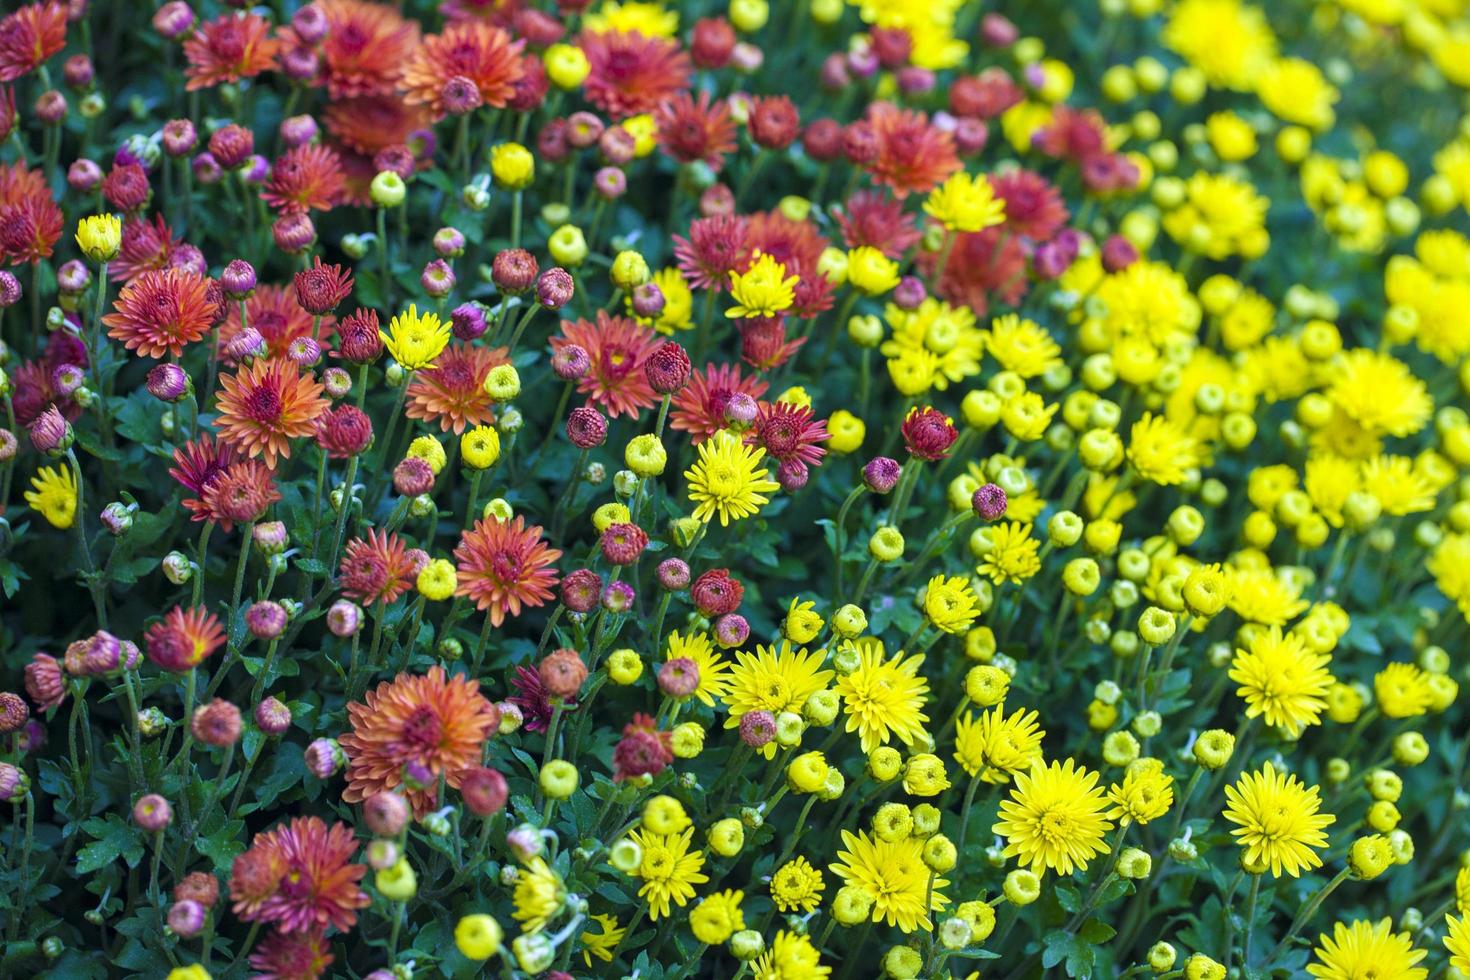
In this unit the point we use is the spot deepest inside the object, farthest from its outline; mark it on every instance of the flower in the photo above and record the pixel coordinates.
(913, 156)
(316, 884)
(100, 236)
(1380, 393)
(1457, 942)
(1022, 346)
(503, 566)
(230, 47)
(539, 895)
(728, 480)
(950, 604)
(1230, 42)
(690, 130)
(1367, 949)
(618, 347)
(452, 391)
(630, 72)
(240, 493)
(291, 956)
(791, 956)
(994, 747)
(965, 203)
(1160, 450)
(145, 245)
(713, 669)
(534, 699)
(1402, 690)
(29, 37)
(182, 640)
(699, 407)
(717, 917)
(796, 886)
(54, 496)
(762, 290)
(773, 679)
(364, 50)
(788, 433)
(928, 434)
(1012, 556)
(601, 944)
(1278, 821)
(376, 569)
(415, 340)
(1054, 818)
(715, 248)
(884, 698)
(274, 313)
(161, 312)
(893, 872)
(482, 54)
(1145, 794)
(873, 217)
(669, 870)
(305, 178)
(1282, 680)
(265, 405)
(431, 720)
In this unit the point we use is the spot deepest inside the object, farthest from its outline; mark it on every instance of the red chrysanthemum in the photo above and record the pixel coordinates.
(233, 46)
(198, 463)
(305, 178)
(241, 492)
(716, 247)
(690, 130)
(146, 245)
(798, 245)
(980, 264)
(291, 956)
(372, 123)
(617, 347)
(435, 721)
(984, 96)
(632, 73)
(534, 700)
(764, 344)
(875, 219)
(452, 392)
(264, 406)
(30, 221)
(1034, 207)
(643, 749)
(503, 566)
(183, 639)
(913, 155)
(493, 11)
(472, 50)
(1076, 135)
(928, 433)
(366, 47)
(161, 312)
(30, 36)
(272, 311)
(699, 407)
(376, 568)
(33, 393)
(789, 432)
(317, 881)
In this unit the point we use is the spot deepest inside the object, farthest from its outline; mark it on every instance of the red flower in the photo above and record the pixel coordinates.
(197, 465)
(504, 566)
(435, 721)
(291, 956)
(146, 246)
(371, 123)
(632, 73)
(928, 434)
(344, 431)
(690, 130)
(774, 122)
(473, 50)
(984, 96)
(980, 263)
(618, 347)
(913, 156)
(452, 392)
(716, 247)
(699, 407)
(317, 885)
(1074, 135)
(161, 312)
(789, 432)
(763, 343)
(305, 178)
(241, 493)
(716, 593)
(264, 406)
(643, 749)
(30, 36)
(366, 47)
(874, 218)
(376, 569)
(30, 221)
(182, 640)
(534, 700)
(1034, 208)
(230, 47)
(274, 313)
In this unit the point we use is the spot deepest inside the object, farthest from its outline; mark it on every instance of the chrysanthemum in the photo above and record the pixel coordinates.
(160, 313)
(1457, 941)
(1402, 690)
(648, 19)
(146, 245)
(798, 245)
(932, 346)
(1160, 450)
(950, 605)
(728, 480)
(1367, 949)
(773, 679)
(716, 247)
(994, 747)
(233, 46)
(366, 47)
(1398, 485)
(29, 37)
(1145, 793)
(1022, 346)
(1449, 563)
(893, 872)
(788, 433)
(1278, 822)
(317, 886)
(1221, 216)
(981, 265)
(690, 130)
(265, 405)
(1054, 819)
(791, 956)
(240, 492)
(630, 72)
(183, 639)
(291, 956)
(1012, 556)
(714, 670)
(305, 178)
(1261, 595)
(539, 895)
(473, 50)
(54, 496)
(669, 870)
(601, 944)
(503, 566)
(272, 312)
(436, 721)
(965, 202)
(699, 407)
(371, 123)
(1282, 680)
(873, 218)
(1034, 206)
(533, 699)
(797, 886)
(452, 392)
(414, 339)
(1379, 392)
(1295, 90)
(30, 220)
(883, 698)
(913, 155)
(762, 290)
(617, 346)
(1229, 41)
(376, 569)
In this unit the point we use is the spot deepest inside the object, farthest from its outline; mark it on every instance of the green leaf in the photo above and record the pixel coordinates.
(112, 839)
(224, 845)
(1064, 946)
(1096, 931)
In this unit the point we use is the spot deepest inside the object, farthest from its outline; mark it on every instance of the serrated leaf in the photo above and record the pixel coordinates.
(112, 839)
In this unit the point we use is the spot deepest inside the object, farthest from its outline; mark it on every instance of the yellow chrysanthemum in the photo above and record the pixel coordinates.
(1054, 819)
(714, 670)
(1380, 393)
(1457, 942)
(884, 698)
(932, 346)
(602, 943)
(1229, 41)
(797, 886)
(1022, 346)
(994, 747)
(893, 872)
(791, 956)
(1449, 563)
(773, 679)
(1295, 90)
(1221, 216)
(669, 870)
(54, 496)
(1012, 556)
(1278, 823)
(1160, 450)
(648, 19)
(415, 340)
(1282, 680)
(950, 604)
(1145, 794)
(1367, 949)
(965, 203)
(762, 290)
(539, 895)
(728, 479)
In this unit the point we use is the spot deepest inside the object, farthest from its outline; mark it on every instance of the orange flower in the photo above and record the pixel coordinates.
(305, 178)
(230, 47)
(161, 312)
(914, 157)
(473, 50)
(376, 569)
(273, 312)
(373, 122)
(452, 392)
(433, 721)
(146, 245)
(618, 347)
(267, 404)
(183, 639)
(365, 48)
(317, 881)
(504, 566)
(29, 37)
(632, 73)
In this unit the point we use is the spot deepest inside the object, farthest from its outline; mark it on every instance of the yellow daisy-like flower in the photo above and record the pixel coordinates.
(728, 479)
(1279, 826)
(99, 236)
(773, 679)
(1295, 90)
(762, 290)
(1282, 680)
(1229, 41)
(1399, 487)
(669, 870)
(1449, 563)
(714, 670)
(415, 340)
(1380, 393)
(1021, 345)
(54, 496)
(965, 203)
(1012, 556)
(994, 747)
(883, 698)
(797, 886)
(1402, 690)
(1160, 451)
(1145, 794)
(1221, 216)
(1367, 949)
(678, 308)
(950, 604)
(934, 345)
(1328, 480)
(648, 19)
(791, 956)
(717, 917)
(1055, 818)
(1260, 595)
(1457, 941)
(893, 872)
(601, 944)
(539, 895)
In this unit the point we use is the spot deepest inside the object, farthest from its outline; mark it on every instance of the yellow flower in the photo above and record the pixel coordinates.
(714, 670)
(428, 449)
(678, 309)
(762, 290)
(1380, 393)
(648, 19)
(1367, 949)
(601, 944)
(1220, 217)
(669, 870)
(54, 496)
(871, 272)
(415, 340)
(1278, 823)
(1145, 794)
(100, 236)
(1012, 554)
(924, 775)
(1022, 346)
(728, 480)
(950, 604)
(1229, 41)
(797, 886)
(893, 872)
(1402, 690)
(539, 894)
(791, 956)
(1457, 941)
(480, 447)
(965, 203)
(717, 917)
(1294, 90)
(883, 698)
(566, 66)
(994, 747)
(774, 679)
(437, 580)
(1160, 450)
(512, 166)
(1054, 818)
(1282, 680)
(932, 346)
